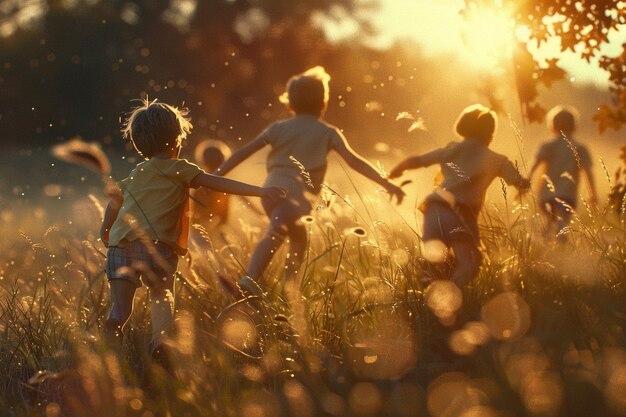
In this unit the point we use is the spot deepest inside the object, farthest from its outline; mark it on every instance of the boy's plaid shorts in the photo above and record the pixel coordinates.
(153, 263)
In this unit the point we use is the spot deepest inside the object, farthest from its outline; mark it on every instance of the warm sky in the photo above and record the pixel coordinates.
(421, 20)
(438, 28)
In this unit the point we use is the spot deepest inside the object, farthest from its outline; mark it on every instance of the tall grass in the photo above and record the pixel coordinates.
(540, 331)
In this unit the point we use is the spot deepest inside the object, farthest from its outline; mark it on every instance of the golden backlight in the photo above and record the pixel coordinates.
(479, 36)
(488, 37)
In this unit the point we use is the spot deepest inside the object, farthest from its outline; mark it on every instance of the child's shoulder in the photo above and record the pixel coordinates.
(172, 168)
(547, 147)
(157, 164)
(329, 126)
(581, 147)
(584, 154)
(304, 119)
(278, 125)
(182, 166)
(136, 169)
(281, 122)
(184, 162)
(300, 122)
(453, 144)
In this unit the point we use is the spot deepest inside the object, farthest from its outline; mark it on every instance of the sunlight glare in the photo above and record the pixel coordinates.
(478, 39)
(487, 36)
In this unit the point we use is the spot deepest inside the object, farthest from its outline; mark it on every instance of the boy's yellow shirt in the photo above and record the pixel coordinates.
(156, 203)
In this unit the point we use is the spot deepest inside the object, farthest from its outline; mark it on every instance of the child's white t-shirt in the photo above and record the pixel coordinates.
(299, 143)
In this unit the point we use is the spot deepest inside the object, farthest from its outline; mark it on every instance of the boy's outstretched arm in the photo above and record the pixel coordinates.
(510, 174)
(360, 165)
(411, 162)
(418, 161)
(241, 155)
(229, 186)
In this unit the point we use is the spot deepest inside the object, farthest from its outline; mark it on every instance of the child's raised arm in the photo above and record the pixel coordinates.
(241, 155)
(360, 165)
(418, 161)
(229, 186)
(511, 175)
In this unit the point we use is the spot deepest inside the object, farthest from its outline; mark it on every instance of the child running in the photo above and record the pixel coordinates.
(298, 144)
(146, 224)
(467, 167)
(563, 159)
(208, 207)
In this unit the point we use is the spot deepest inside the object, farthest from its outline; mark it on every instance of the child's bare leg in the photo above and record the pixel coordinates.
(468, 259)
(267, 247)
(438, 220)
(264, 252)
(162, 312)
(297, 247)
(122, 296)
(293, 274)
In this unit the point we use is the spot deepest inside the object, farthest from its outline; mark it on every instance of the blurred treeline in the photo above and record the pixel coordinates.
(72, 67)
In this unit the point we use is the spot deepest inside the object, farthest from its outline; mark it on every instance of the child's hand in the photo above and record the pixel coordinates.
(274, 193)
(396, 172)
(395, 191)
(522, 188)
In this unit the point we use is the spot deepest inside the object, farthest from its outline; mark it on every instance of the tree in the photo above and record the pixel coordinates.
(71, 67)
(583, 27)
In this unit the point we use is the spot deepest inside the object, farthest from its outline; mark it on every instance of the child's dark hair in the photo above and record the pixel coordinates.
(156, 127)
(307, 92)
(562, 119)
(210, 154)
(477, 122)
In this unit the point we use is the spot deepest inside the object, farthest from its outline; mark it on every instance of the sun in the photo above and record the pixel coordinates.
(480, 36)
(488, 37)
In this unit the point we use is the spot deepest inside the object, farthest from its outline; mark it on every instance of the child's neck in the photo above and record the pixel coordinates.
(307, 115)
(169, 154)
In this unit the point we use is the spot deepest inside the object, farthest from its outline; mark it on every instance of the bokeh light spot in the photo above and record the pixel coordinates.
(507, 316)
(435, 251)
(444, 298)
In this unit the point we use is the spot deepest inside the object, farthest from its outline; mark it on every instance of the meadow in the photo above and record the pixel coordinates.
(540, 331)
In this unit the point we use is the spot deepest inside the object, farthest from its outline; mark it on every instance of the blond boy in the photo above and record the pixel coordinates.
(146, 224)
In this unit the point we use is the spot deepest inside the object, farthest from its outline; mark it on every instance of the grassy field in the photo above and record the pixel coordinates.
(540, 332)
